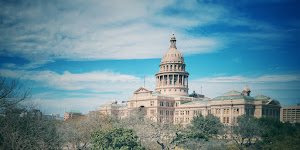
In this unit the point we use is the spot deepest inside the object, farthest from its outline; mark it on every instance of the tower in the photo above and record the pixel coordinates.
(172, 79)
(246, 91)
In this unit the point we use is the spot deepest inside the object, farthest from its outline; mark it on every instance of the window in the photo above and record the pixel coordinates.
(167, 104)
(187, 112)
(167, 113)
(218, 111)
(151, 103)
(161, 103)
(161, 112)
(171, 112)
(226, 111)
(181, 112)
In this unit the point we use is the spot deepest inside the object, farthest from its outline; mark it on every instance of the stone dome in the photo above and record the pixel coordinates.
(172, 55)
(246, 88)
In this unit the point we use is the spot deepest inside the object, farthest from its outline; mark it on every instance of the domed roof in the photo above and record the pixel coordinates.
(233, 92)
(172, 55)
(246, 88)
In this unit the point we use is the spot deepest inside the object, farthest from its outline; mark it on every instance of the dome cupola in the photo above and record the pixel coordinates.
(246, 91)
(172, 79)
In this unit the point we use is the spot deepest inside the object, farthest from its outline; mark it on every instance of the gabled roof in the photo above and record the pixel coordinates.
(142, 90)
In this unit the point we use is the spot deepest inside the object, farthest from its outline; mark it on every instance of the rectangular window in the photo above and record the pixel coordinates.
(161, 103)
(187, 112)
(151, 103)
(181, 112)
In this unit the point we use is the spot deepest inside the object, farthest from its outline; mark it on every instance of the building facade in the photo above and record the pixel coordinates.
(290, 114)
(72, 115)
(170, 102)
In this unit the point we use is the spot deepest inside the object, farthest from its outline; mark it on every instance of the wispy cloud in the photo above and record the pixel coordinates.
(261, 79)
(76, 30)
(97, 81)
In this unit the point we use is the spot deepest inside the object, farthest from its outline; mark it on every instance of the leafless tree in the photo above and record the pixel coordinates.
(153, 135)
(12, 92)
(76, 132)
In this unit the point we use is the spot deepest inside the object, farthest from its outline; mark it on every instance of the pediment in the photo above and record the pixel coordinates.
(272, 102)
(142, 90)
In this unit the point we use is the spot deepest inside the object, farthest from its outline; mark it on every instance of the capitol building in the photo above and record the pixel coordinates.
(171, 101)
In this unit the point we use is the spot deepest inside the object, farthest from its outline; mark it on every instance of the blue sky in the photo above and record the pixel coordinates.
(77, 55)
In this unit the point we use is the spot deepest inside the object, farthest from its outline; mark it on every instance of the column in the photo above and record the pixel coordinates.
(187, 81)
(156, 84)
(173, 80)
(168, 80)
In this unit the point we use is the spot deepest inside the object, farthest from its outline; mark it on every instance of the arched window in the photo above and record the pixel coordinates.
(171, 67)
(167, 67)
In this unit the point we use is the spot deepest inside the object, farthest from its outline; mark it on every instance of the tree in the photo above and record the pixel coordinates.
(76, 133)
(279, 135)
(11, 93)
(116, 138)
(246, 129)
(153, 135)
(28, 132)
(204, 127)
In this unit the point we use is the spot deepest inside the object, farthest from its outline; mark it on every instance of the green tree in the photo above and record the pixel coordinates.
(279, 135)
(245, 130)
(204, 127)
(116, 138)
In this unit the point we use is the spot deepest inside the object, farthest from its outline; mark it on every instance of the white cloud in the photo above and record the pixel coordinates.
(261, 79)
(98, 81)
(75, 30)
(275, 86)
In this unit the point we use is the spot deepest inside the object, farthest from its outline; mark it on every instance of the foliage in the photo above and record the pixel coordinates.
(28, 132)
(21, 128)
(76, 133)
(278, 135)
(202, 144)
(116, 138)
(246, 129)
(204, 127)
